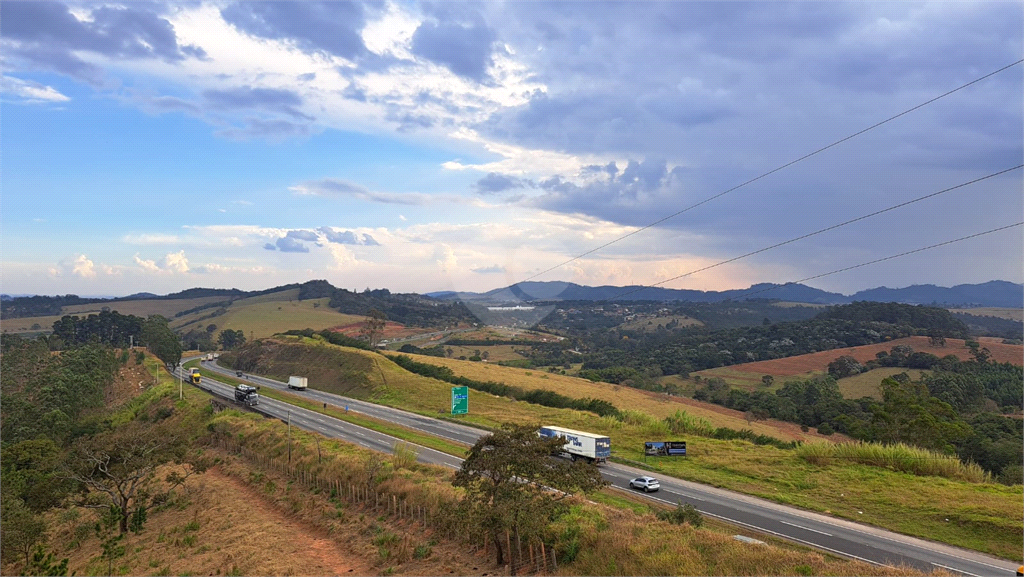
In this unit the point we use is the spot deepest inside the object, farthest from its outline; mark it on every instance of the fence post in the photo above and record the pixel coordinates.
(543, 555)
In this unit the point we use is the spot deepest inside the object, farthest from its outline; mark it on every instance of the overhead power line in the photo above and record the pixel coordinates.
(774, 170)
(876, 261)
(817, 232)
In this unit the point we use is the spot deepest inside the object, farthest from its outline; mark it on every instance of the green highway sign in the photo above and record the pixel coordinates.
(460, 400)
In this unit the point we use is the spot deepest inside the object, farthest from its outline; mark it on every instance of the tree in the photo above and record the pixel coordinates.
(230, 340)
(161, 340)
(767, 380)
(845, 366)
(508, 476)
(20, 529)
(373, 328)
(118, 467)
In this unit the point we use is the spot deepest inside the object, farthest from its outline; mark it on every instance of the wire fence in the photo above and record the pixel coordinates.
(531, 558)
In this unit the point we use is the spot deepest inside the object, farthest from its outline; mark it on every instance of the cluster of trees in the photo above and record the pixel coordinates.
(408, 309)
(115, 330)
(537, 397)
(637, 358)
(944, 411)
(57, 446)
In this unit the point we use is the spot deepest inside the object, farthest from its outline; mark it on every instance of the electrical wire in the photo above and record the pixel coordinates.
(817, 232)
(774, 170)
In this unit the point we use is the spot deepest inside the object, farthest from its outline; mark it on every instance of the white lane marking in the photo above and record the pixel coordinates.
(956, 570)
(805, 528)
(791, 538)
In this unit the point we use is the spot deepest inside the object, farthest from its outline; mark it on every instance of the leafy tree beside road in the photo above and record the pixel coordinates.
(514, 487)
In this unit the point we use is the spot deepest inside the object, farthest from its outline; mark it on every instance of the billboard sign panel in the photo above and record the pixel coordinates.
(665, 448)
(460, 400)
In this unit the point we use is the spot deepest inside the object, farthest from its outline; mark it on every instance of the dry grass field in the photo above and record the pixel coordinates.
(803, 364)
(652, 324)
(867, 384)
(143, 308)
(268, 315)
(1009, 314)
(656, 405)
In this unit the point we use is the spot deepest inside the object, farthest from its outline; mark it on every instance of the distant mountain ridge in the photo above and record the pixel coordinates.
(1001, 294)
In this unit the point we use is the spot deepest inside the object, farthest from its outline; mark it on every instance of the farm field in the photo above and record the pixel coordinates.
(144, 307)
(656, 405)
(804, 364)
(263, 317)
(652, 324)
(1009, 314)
(866, 384)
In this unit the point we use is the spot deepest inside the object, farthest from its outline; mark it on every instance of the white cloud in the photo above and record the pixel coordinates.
(176, 262)
(31, 92)
(146, 265)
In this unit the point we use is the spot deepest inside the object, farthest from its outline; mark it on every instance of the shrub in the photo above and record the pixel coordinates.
(683, 514)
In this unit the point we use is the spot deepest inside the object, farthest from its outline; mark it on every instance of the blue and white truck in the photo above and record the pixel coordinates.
(580, 445)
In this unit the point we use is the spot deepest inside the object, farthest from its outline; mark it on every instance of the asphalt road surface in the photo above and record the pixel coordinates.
(841, 537)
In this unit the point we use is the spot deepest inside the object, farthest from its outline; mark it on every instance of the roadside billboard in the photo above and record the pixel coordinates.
(665, 448)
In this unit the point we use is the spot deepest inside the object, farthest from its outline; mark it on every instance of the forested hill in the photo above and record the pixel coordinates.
(653, 354)
(989, 294)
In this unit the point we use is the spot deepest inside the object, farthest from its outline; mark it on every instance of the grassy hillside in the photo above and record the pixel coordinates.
(280, 502)
(266, 315)
(985, 517)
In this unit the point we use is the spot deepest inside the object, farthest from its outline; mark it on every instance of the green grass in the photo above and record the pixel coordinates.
(990, 516)
(271, 314)
(867, 384)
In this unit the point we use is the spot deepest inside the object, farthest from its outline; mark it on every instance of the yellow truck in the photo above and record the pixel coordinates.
(193, 374)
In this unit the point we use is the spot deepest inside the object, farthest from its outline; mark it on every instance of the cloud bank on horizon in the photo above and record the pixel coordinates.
(465, 146)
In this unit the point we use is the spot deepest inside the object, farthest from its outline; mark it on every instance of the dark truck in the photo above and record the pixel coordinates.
(247, 395)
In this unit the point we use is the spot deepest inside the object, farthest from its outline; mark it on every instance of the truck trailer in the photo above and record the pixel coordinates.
(580, 445)
(299, 383)
(247, 395)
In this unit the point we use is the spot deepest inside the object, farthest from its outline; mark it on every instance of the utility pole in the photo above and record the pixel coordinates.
(289, 438)
(180, 394)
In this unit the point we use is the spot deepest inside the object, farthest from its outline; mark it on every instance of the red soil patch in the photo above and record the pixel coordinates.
(819, 361)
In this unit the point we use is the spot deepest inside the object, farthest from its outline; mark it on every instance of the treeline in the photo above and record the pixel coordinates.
(115, 330)
(944, 411)
(537, 397)
(333, 337)
(40, 306)
(408, 309)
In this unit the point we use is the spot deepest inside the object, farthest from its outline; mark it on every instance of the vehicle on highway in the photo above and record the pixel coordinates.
(238, 373)
(648, 484)
(579, 444)
(195, 376)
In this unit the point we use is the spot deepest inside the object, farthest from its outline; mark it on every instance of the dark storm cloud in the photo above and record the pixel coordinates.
(494, 183)
(331, 27)
(272, 99)
(47, 34)
(465, 49)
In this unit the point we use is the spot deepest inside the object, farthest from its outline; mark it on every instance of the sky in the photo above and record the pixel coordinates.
(421, 147)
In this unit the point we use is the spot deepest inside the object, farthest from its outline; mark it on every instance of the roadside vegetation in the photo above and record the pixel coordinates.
(248, 498)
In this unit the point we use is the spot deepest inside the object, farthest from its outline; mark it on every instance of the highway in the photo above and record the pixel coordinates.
(837, 536)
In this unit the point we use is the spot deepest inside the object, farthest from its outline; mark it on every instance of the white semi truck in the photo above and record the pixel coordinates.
(581, 445)
(299, 383)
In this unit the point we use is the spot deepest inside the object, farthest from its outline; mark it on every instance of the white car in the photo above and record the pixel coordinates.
(648, 484)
